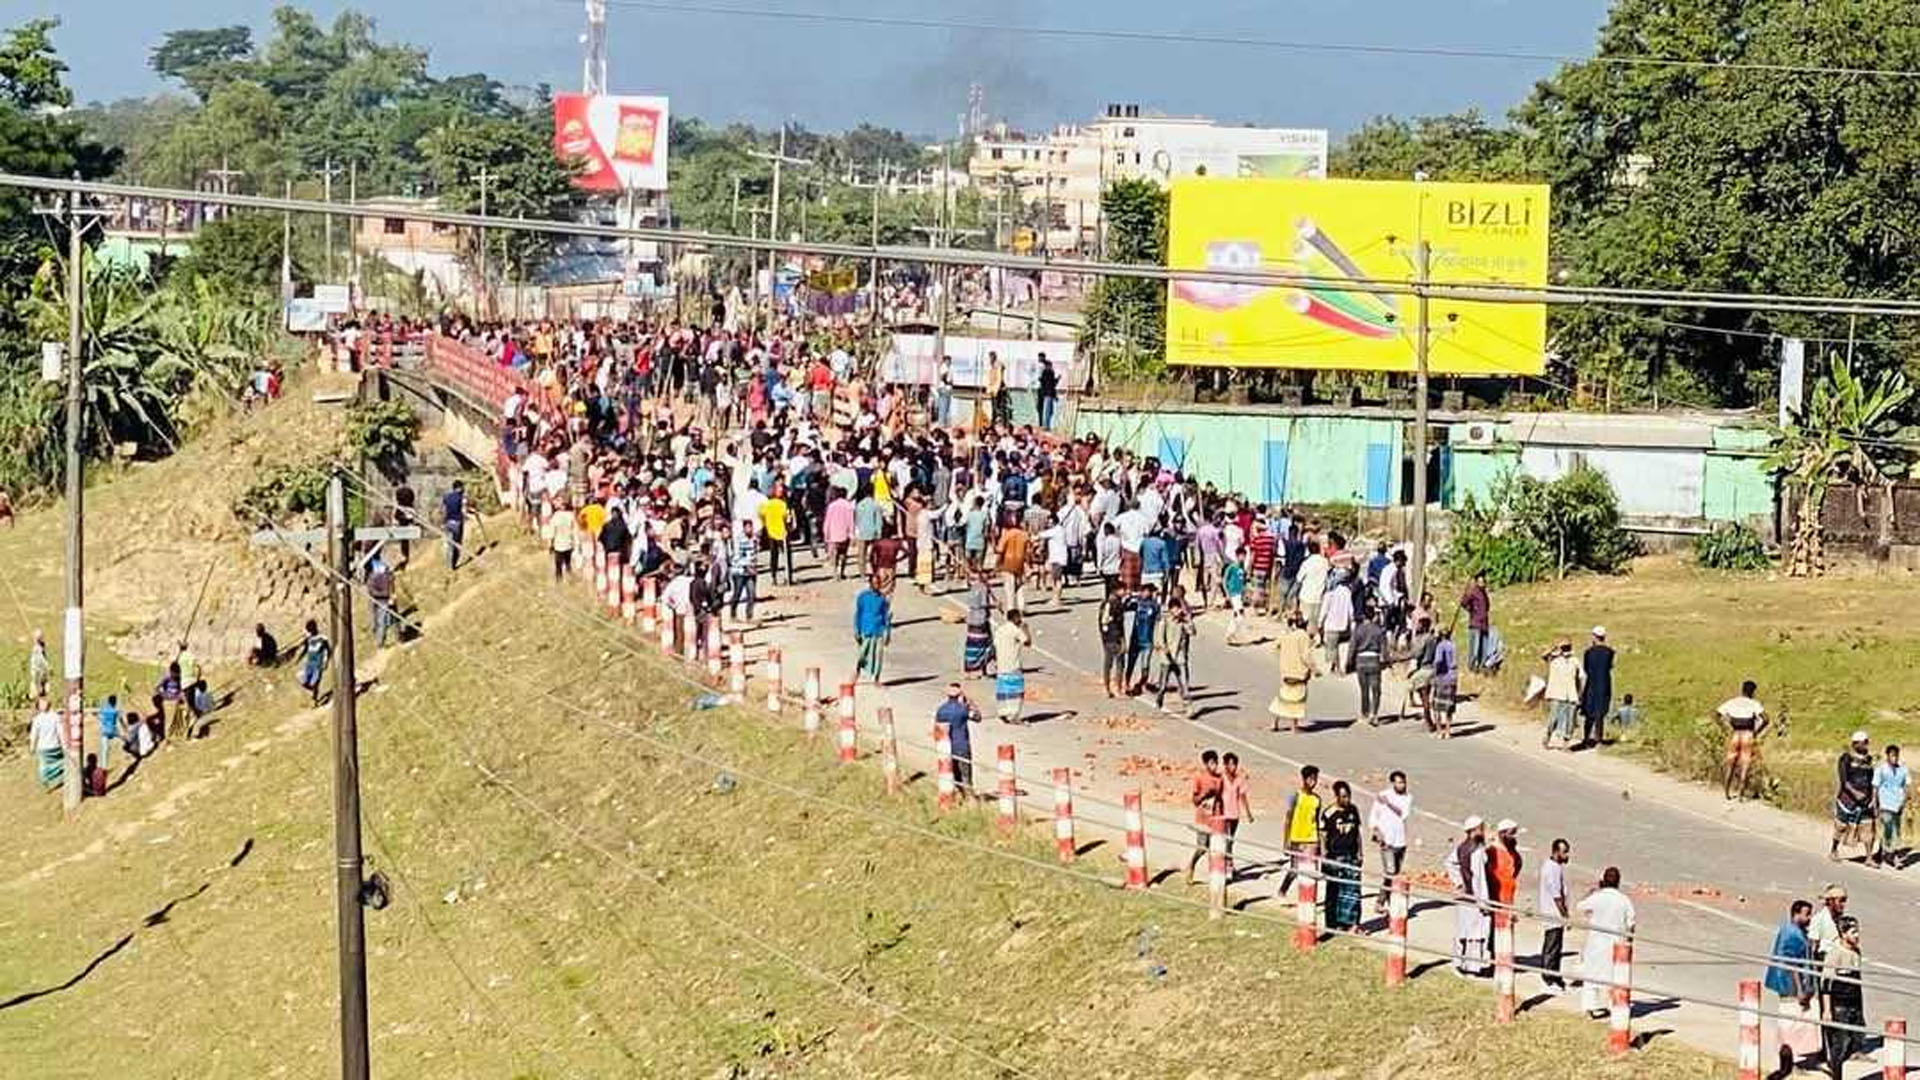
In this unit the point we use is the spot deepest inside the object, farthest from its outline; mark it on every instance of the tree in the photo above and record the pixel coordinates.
(1459, 146)
(240, 254)
(203, 60)
(1126, 317)
(1845, 433)
(525, 180)
(1731, 179)
(32, 75)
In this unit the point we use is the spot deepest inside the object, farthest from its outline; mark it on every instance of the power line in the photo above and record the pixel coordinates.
(1533, 56)
(1461, 292)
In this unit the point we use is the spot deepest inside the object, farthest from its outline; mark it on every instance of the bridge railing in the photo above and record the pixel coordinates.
(471, 371)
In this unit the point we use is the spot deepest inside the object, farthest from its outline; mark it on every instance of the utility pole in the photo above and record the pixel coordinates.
(353, 230)
(773, 229)
(485, 294)
(326, 188)
(946, 228)
(73, 653)
(1046, 230)
(1422, 339)
(348, 867)
(873, 269)
(286, 252)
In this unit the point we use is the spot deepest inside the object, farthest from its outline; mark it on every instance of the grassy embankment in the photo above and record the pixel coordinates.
(1834, 654)
(634, 924)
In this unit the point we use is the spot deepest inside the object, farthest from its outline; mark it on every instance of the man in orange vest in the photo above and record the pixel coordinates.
(1503, 867)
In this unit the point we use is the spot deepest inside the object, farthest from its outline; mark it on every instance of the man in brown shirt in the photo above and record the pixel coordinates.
(1013, 560)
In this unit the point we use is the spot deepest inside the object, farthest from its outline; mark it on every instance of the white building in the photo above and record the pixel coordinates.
(1069, 168)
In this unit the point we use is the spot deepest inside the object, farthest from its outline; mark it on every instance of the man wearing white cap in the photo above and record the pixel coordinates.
(1596, 697)
(1466, 865)
(1853, 802)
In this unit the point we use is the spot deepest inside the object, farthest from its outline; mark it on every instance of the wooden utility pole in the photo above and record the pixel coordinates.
(485, 307)
(74, 647)
(779, 159)
(348, 869)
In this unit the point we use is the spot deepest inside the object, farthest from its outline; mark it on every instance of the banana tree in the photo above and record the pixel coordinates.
(1846, 432)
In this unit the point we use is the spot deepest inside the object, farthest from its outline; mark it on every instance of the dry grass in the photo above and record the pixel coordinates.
(643, 932)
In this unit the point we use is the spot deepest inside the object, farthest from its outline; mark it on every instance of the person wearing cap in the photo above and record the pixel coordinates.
(1504, 862)
(957, 715)
(1466, 865)
(1853, 802)
(1596, 697)
(1564, 679)
(1824, 929)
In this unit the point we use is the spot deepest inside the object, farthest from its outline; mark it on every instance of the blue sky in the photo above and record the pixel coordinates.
(727, 67)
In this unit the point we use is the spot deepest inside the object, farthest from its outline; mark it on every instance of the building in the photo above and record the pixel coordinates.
(430, 250)
(1069, 168)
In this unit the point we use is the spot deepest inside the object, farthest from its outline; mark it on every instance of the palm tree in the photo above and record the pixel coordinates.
(1844, 433)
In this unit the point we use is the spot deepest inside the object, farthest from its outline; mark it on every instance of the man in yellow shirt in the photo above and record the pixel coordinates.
(1302, 820)
(592, 517)
(775, 516)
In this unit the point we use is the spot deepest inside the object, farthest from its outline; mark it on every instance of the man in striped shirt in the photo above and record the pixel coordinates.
(743, 568)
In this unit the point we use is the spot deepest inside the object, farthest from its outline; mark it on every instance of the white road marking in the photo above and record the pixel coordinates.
(1727, 915)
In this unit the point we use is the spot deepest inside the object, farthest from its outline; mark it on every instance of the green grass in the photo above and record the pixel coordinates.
(1834, 654)
(643, 918)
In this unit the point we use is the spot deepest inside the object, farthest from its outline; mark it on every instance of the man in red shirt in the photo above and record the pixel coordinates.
(1208, 786)
(1261, 547)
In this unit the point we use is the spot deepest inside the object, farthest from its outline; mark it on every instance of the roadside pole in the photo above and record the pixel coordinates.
(1423, 337)
(346, 794)
(74, 645)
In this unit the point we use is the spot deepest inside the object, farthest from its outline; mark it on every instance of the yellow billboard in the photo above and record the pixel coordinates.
(1359, 239)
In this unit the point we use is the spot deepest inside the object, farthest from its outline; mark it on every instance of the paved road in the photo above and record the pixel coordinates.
(1701, 872)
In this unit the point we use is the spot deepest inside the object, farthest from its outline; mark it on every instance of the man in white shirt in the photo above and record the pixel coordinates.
(1388, 823)
(1553, 906)
(1133, 524)
(1313, 582)
(1336, 624)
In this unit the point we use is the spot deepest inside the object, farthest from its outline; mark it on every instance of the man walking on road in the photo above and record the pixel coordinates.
(1890, 795)
(872, 628)
(1466, 864)
(1553, 906)
(1853, 801)
(1296, 671)
(1610, 920)
(1388, 822)
(1790, 978)
(1209, 790)
(957, 715)
(1010, 638)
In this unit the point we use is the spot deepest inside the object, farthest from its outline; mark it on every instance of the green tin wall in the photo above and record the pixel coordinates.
(1268, 457)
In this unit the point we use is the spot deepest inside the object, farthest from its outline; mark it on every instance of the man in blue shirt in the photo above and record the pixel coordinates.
(1890, 794)
(109, 728)
(1146, 621)
(872, 626)
(957, 713)
(453, 517)
(1791, 977)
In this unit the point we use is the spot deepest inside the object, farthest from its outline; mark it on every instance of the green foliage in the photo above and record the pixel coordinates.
(292, 490)
(524, 180)
(381, 429)
(1529, 528)
(1461, 146)
(1485, 543)
(1846, 432)
(1575, 519)
(1126, 318)
(1340, 517)
(203, 59)
(241, 254)
(1731, 546)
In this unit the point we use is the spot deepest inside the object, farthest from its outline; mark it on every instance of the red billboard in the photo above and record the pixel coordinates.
(620, 140)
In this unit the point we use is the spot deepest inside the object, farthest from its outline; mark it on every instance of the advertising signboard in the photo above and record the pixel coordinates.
(1356, 240)
(619, 139)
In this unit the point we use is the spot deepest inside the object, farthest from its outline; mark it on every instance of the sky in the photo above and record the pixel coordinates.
(828, 76)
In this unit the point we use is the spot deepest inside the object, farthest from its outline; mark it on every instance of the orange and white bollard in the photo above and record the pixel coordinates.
(775, 683)
(737, 663)
(689, 637)
(667, 623)
(889, 752)
(629, 595)
(1008, 791)
(599, 558)
(1136, 853)
(1216, 867)
(1893, 1050)
(612, 595)
(546, 521)
(1620, 994)
(810, 717)
(649, 604)
(943, 766)
(849, 725)
(1504, 1007)
(1747, 1065)
(1063, 813)
(1306, 913)
(714, 658)
(1397, 896)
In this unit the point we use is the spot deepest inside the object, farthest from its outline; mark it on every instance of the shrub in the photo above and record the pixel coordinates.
(380, 430)
(1340, 517)
(1485, 543)
(286, 490)
(1731, 546)
(1530, 527)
